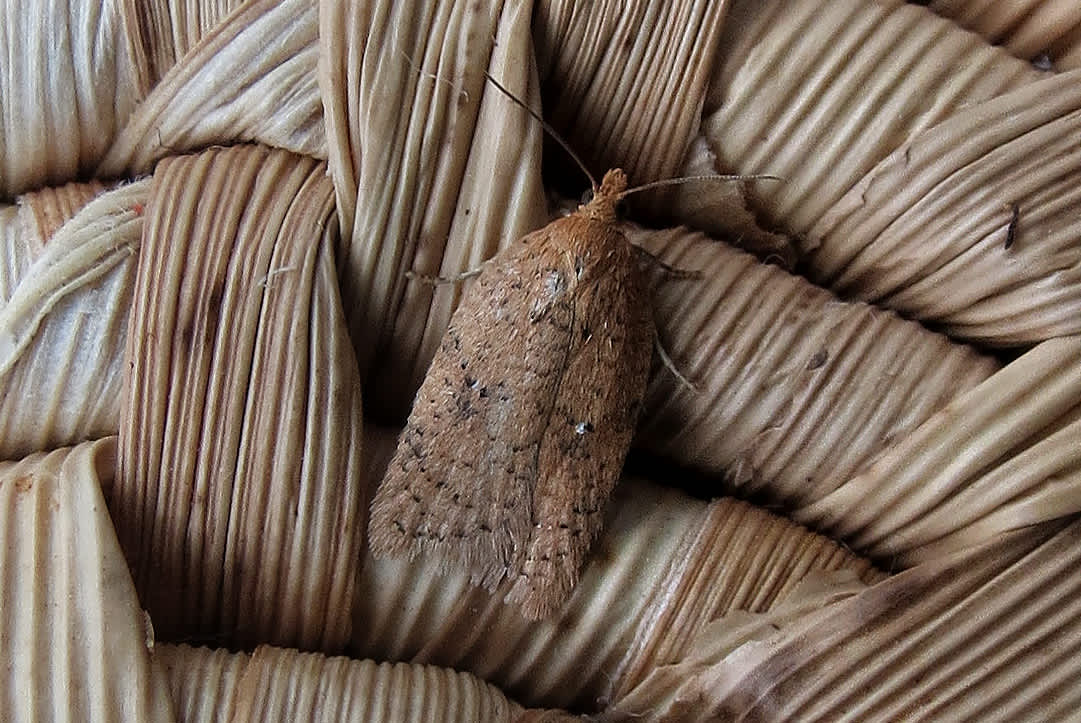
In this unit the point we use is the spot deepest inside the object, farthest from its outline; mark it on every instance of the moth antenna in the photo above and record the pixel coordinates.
(548, 129)
(708, 177)
(421, 72)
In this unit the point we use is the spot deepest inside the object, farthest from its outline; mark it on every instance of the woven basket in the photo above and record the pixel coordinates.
(865, 510)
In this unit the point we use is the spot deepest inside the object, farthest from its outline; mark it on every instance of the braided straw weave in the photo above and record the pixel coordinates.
(866, 509)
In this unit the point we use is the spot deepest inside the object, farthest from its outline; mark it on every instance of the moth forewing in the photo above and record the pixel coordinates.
(588, 432)
(462, 473)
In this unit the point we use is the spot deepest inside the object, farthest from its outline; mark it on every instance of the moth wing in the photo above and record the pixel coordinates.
(589, 432)
(461, 482)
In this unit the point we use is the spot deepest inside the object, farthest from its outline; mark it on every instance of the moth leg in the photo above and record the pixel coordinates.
(670, 365)
(670, 271)
(674, 273)
(433, 280)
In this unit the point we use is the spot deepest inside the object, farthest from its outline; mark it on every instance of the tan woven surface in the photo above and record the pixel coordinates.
(866, 509)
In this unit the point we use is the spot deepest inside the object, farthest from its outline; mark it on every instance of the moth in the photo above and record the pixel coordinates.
(519, 431)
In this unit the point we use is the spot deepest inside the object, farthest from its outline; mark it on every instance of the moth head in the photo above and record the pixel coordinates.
(602, 207)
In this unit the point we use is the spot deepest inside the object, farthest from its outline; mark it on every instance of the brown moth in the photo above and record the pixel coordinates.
(520, 429)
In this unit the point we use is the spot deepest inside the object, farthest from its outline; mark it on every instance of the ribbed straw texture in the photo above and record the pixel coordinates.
(821, 109)
(988, 635)
(437, 189)
(44, 211)
(1035, 29)
(742, 559)
(927, 231)
(798, 390)
(66, 315)
(238, 500)
(17, 249)
(276, 684)
(866, 426)
(68, 608)
(68, 85)
(625, 81)
(903, 165)
(665, 566)
(251, 78)
(1001, 456)
(920, 168)
(165, 31)
(203, 681)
